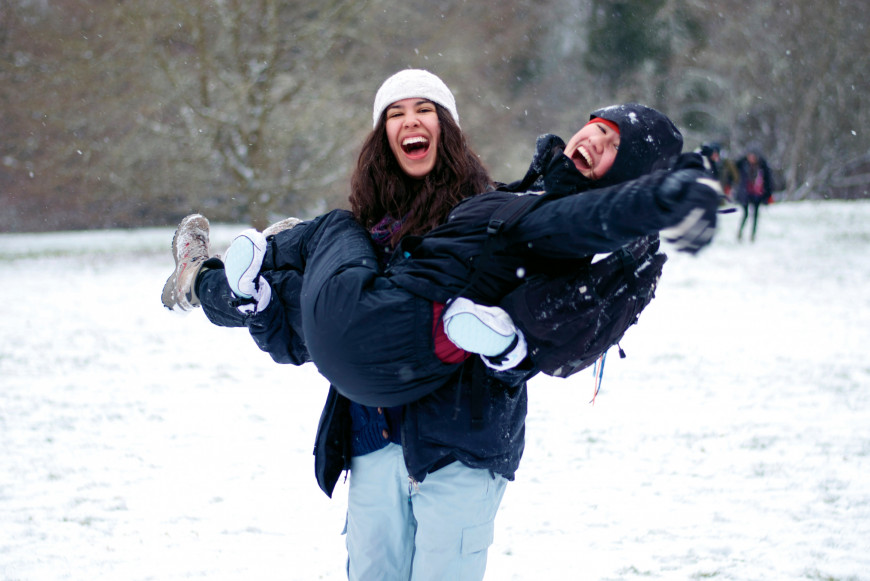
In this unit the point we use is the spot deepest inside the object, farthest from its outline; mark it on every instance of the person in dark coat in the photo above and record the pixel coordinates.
(346, 298)
(413, 168)
(754, 188)
(722, 168)
(372, 335)
(343, 293)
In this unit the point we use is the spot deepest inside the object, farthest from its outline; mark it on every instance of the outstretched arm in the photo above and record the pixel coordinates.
(604, 220)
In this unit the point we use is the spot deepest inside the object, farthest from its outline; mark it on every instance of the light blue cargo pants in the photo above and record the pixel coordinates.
(399, 530)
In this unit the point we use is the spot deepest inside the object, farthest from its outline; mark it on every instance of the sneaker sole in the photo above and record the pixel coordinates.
(168, 297)
(285, 224)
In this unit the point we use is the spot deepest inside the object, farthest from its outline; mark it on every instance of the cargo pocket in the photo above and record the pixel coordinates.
(477, 538)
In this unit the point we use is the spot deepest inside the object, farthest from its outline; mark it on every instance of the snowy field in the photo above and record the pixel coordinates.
(732, 444)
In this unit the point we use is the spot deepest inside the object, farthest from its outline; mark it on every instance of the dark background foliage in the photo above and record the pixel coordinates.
(124, 114)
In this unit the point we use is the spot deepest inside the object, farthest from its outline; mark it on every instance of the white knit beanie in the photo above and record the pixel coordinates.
(413, 83)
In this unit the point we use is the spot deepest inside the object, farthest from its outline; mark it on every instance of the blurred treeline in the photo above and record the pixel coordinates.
(123, 113)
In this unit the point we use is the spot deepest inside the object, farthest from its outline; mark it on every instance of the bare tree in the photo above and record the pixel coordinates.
(240, 71)
(135, 113)
(792, 79)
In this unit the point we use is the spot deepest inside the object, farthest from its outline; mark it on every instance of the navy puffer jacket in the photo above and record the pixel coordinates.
(470, 414)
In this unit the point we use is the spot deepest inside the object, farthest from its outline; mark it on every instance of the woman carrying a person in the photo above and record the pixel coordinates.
(430, 435)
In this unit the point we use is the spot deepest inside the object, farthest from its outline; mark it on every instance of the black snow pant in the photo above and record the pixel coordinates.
(372, 339)
(755, 203)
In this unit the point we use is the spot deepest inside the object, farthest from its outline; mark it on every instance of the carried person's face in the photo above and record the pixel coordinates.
(593, 149)
(414, 131)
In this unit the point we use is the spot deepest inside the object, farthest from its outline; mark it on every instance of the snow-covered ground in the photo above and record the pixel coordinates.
(733, 443)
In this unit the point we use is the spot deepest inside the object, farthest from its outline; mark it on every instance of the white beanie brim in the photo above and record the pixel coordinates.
(411, 83)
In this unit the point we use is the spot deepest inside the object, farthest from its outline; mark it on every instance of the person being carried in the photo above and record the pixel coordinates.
(416, 165)
(454, 430)
(600, 192)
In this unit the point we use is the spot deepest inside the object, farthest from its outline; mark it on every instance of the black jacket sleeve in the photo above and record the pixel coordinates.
(604, 220)
(277, 330)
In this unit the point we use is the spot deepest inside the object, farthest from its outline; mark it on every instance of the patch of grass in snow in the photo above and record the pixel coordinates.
(817, 575)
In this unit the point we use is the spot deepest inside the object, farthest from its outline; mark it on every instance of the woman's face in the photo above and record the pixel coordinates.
(413, 131)
(593, 149)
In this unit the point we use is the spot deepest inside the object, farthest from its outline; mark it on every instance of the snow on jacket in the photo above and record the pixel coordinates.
(450, 412)
(438, 424)
(558, 232)
(470, 415)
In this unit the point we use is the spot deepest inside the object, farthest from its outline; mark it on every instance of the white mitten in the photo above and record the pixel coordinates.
(478, 329)
(510, 359)
(487, 331)
(262, 295)
(242, 262)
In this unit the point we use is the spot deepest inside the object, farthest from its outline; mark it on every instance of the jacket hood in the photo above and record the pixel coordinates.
(648, 140)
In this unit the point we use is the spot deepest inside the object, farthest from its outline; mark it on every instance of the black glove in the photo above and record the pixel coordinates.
(548, 147)
(696, 198)
(697, 161)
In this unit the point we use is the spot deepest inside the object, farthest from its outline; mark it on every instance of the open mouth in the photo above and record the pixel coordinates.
(415, 146)
(581, 158)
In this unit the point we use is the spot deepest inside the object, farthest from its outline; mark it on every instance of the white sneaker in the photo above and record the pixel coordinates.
(242, 262)
(284, 224)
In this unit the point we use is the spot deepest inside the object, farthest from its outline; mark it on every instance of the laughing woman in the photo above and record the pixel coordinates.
(360, 293)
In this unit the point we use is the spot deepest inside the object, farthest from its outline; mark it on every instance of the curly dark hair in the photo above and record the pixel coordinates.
(380, 188)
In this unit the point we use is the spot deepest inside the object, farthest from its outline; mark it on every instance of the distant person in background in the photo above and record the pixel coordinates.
(723, 169)
(755, 187)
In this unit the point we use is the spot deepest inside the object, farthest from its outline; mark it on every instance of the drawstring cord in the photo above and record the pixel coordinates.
(598, 371)
(598, 374)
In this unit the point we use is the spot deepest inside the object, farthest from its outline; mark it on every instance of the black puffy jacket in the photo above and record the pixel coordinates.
(470, 414)
(462, 412)
(450, 413)
(570, 223)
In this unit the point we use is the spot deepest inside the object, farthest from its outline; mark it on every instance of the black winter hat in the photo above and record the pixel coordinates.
(647, 141)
